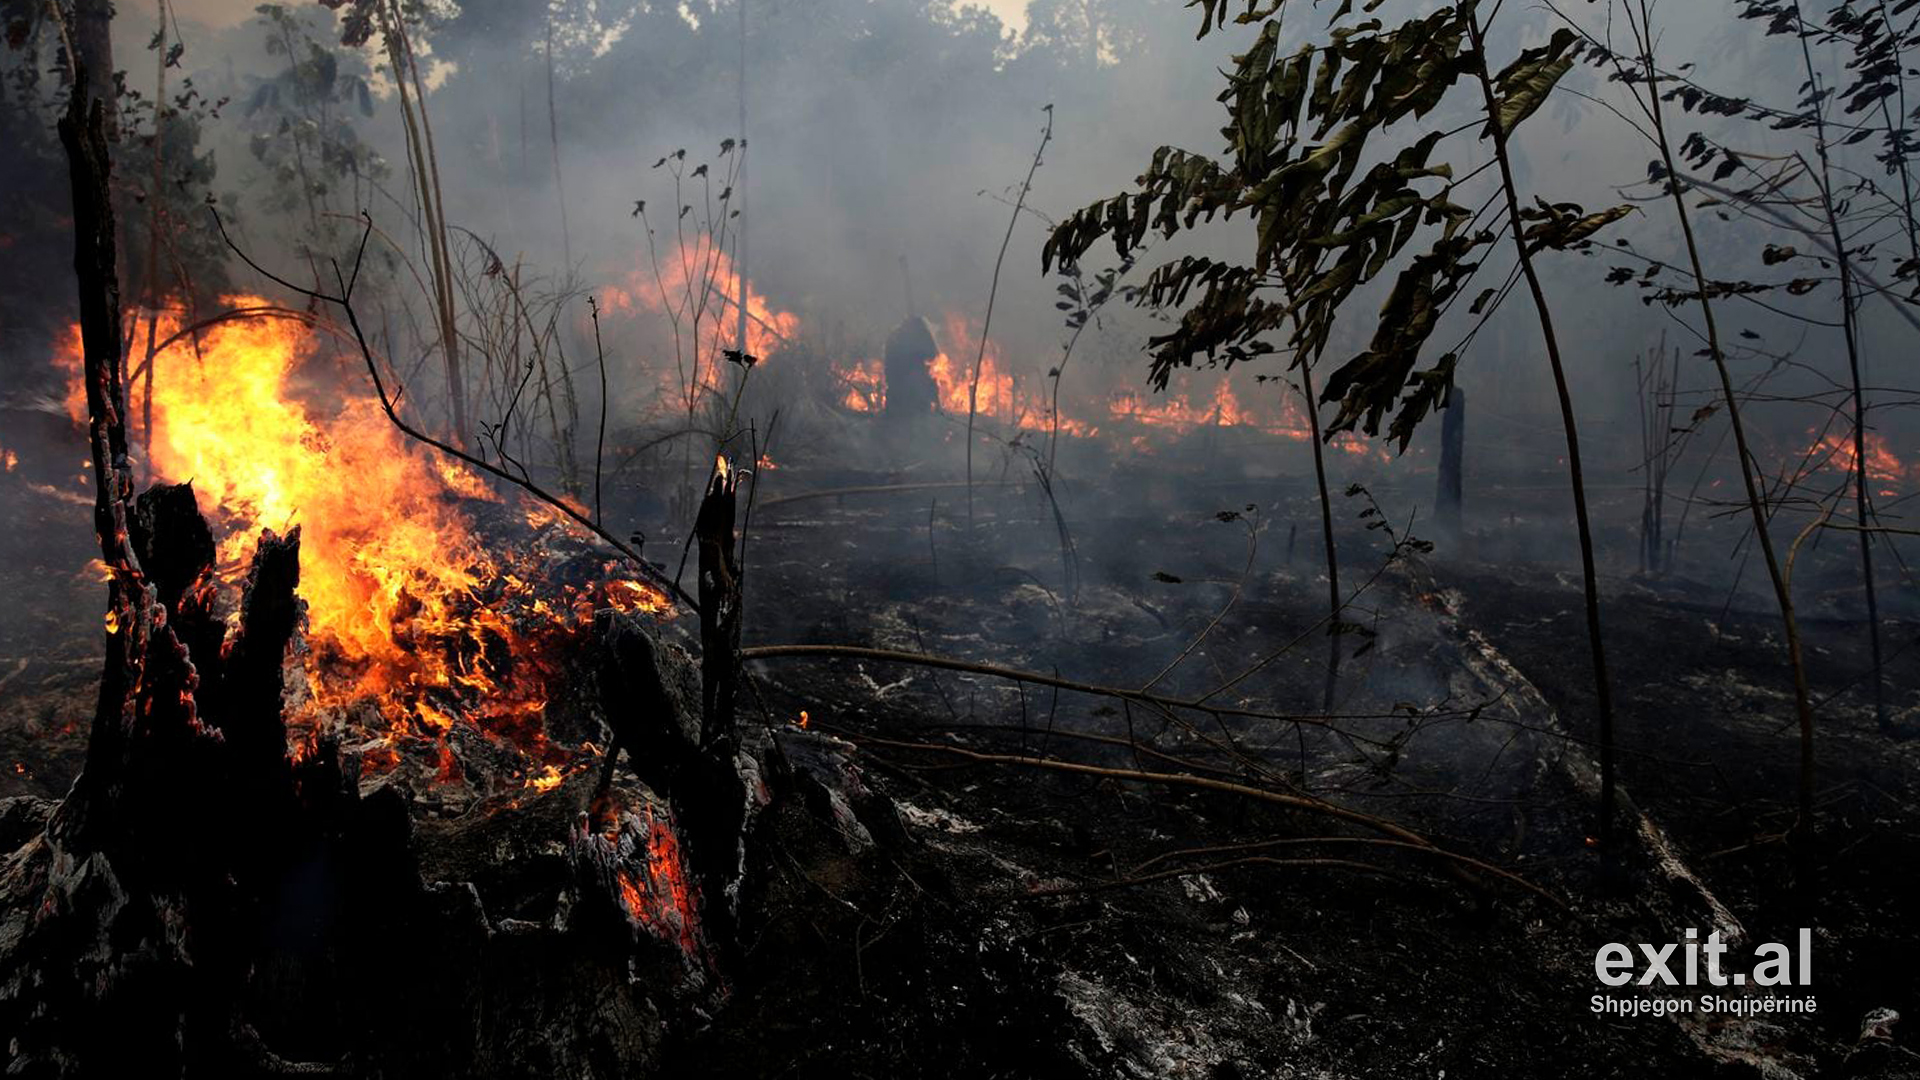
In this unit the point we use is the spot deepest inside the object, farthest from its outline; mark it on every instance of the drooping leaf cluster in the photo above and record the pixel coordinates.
(302, 120)
(1863, 51)
(1301, 124)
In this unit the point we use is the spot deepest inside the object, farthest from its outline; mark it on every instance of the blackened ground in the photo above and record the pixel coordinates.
(1000, 933)
(1710, 747)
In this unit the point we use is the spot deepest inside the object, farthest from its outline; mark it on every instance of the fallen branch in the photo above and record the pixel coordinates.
(895, 656)
(883, 489)
(1251, 860)
(1410, 838)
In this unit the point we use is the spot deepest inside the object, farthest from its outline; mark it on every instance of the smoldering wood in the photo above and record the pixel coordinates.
(204, 903)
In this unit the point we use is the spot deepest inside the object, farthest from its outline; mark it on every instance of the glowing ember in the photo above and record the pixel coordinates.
(660, 897)
(804, 719)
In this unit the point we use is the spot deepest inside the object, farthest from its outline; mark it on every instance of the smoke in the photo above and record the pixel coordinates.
(886, 139)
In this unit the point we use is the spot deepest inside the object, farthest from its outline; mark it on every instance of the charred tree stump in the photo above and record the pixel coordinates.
(911, 391)
(1453, 439)
(130, 603)
(144, 888)
(686, 747)
(719, 608)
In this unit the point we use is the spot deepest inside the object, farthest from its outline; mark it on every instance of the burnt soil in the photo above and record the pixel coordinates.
(1000, 933)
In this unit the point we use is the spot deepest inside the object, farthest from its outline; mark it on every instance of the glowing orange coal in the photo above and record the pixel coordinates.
(660, 896)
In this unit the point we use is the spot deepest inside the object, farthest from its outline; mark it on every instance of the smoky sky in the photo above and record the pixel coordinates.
(891, 130)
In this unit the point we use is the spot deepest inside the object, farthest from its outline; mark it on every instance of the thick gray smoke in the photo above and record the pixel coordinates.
(887, 139)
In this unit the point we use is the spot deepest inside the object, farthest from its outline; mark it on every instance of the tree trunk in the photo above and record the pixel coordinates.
(1453, 438)
(93, 44)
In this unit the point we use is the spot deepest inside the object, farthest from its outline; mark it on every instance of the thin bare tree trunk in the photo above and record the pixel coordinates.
(1602, 685)
(1326, 536)
(986, 324)
(553, 137)
(426, 169)
(92, 44)
(1749, 466)
(1850, 329)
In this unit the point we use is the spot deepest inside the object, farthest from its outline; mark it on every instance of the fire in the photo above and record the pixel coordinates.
(9, 459)
(998, 395)
(548, 779)
(696, 283)
(1883, 467)
(628, 595)
(1176, 411)
(866, 383)
(1028, 405)
(804, 719)
(405, 605)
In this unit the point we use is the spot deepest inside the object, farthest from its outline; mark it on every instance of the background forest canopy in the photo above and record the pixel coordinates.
(889, 135)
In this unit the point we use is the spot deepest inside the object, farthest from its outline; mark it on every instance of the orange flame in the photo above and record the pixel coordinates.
(405, 604)
(696, 284)
(866, 383)
(1884, 468)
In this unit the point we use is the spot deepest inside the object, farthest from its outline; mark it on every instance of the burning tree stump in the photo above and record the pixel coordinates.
(685, 748)
(139, 909)
(207, 903)
(204, 904)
